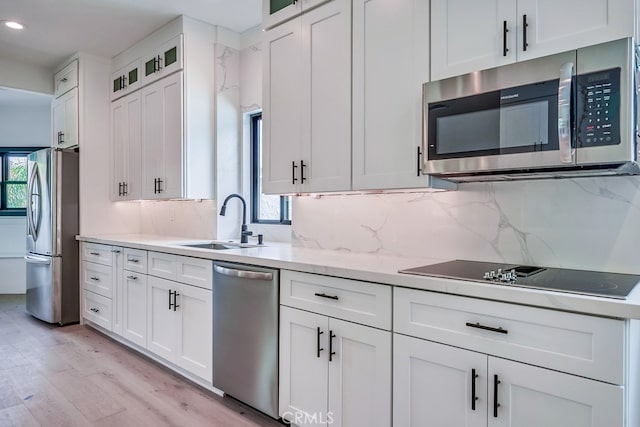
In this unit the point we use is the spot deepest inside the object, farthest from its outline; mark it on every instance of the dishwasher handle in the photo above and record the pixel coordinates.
(243, 274)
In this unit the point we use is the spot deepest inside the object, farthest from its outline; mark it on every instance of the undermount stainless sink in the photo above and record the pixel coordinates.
(217, 246)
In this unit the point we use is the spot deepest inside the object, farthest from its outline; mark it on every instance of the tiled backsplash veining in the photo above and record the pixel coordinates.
(586, 223)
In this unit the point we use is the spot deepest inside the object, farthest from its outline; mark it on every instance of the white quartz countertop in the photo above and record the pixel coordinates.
(379, 269)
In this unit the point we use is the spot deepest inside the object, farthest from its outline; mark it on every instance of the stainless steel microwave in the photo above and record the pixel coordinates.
(569, 114)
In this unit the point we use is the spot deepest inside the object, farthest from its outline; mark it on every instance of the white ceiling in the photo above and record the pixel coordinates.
(58, 28)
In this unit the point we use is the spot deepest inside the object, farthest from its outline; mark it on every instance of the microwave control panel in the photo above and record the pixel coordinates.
(598, 108)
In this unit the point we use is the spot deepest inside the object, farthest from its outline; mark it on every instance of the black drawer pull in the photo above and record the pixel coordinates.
(487, 328)
(473, 389)
(95, 253)
(97, 279)
(496, 405)
(132, 278)
(318, 348)
(133, 260)
(323, 295)
(95, 310)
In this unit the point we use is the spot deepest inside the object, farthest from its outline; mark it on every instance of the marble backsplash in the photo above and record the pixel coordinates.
(584, 223)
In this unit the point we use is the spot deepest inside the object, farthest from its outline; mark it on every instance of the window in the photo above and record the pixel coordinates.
(265, 209)
(13, 181)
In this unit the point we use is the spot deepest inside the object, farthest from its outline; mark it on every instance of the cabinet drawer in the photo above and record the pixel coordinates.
(584, 345)
(66, 79)
(97, 309)
(100, 254)
(360, 302)
(195, 271)
(162, 265)
(97, 278)
(135, 260)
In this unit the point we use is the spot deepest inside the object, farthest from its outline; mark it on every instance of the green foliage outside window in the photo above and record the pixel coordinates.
(13, 181)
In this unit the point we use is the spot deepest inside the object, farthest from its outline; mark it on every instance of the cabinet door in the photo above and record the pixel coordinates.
(433, 384)
(359, 375)
(194, 351)
(65, 120)
(162, 320)
(387, 91)
(532, 397)
(126, 146)
(557, 26)
(282, 94)
(165, 60)
(134, 307)
(469, 36)
(303, 367)
(162, 138)
(326, 98)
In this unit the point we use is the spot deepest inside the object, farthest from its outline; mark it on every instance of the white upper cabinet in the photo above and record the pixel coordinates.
(126, 79)
(162, 130)
(66, 79)
(468, 36)
(162, 138)
(164, 60)
(390, 64)
(65, 120)
(126, 148)
(307, 102)
(277, 11)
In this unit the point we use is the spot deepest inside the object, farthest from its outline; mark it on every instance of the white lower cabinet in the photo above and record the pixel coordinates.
(440, 385)
(134, 307)
(333, 372)
(179, 325)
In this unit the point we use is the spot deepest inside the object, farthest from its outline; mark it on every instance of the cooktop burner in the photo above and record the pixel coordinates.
(611, 285)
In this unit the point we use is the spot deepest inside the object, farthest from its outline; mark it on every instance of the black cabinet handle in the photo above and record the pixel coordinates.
(418, 157)
(170, 303)
(95, 253)
(318, 349)
(175, 300)
(487, 328)
(125, 188)
(496, 405)
(133, 260)
(95, 310)
(155, 186)
(473, 389)
(331, 352)
(302, 166)
(95, 279)
(323, 295)
(119, 189)
(293, 172)
(132, 278)
(159, 186)
(524, 33)
(505, 30)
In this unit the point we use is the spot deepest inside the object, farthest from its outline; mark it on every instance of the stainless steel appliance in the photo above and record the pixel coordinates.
(245, 334)
(52, 224)
(569, 114)
(596, 283)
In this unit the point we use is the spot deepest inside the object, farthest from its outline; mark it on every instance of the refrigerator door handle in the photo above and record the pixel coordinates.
(31, 259)
(33, 217)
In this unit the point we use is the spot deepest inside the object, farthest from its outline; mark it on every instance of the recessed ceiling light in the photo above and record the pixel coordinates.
(14, 25)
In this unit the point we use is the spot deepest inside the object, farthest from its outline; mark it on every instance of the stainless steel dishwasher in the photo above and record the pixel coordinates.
(245, 334)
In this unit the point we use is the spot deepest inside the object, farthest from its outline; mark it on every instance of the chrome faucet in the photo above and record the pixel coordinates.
(244, 234)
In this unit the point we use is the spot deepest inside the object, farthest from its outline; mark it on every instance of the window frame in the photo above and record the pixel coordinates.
(285, 204)
(5, 153)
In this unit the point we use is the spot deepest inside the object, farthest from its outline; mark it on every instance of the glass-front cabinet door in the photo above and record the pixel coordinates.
(275, 12)
(164, 61)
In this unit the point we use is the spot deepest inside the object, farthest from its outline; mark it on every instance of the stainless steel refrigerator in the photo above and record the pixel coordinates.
(52, 224)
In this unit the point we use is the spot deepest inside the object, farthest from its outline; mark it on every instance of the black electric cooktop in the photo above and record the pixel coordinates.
(611, 285)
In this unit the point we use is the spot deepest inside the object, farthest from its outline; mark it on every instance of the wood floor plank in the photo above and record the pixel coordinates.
(75, 376)
(17, 416)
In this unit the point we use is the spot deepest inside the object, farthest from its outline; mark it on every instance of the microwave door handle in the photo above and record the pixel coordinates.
(564, 113)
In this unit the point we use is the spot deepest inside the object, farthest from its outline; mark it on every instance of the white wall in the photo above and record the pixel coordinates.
(12, 250)
(25, 76)
(25, 126)
(584, 223)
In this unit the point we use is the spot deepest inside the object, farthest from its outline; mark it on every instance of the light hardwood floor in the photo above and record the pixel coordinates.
(74, 376)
